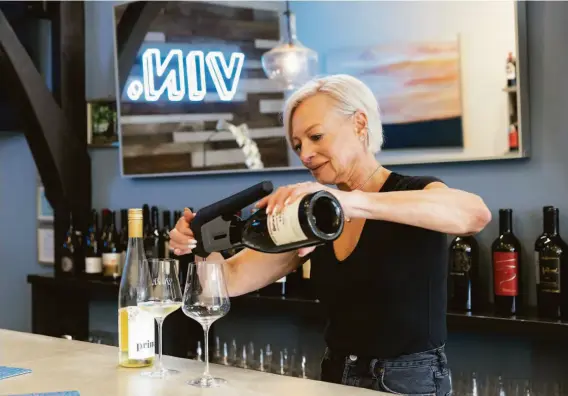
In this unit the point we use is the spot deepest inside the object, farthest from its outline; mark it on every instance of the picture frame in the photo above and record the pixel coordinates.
(45, 246)
(44, 209)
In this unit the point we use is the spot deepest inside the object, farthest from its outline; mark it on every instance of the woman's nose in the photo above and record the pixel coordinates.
(306, 156)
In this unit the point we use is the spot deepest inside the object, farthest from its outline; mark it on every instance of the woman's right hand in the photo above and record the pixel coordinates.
(182, 240)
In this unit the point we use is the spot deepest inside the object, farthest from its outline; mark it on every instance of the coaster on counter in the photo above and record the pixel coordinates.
(7, 372)
(66, 393)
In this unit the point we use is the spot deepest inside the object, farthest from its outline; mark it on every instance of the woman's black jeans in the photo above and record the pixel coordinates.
(424, 373)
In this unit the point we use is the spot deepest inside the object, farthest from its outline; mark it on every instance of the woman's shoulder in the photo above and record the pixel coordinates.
(402, 182)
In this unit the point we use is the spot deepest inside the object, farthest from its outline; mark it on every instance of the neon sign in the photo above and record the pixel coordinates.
(184, 77)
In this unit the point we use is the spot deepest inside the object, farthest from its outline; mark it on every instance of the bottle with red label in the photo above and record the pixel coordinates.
(507, 271)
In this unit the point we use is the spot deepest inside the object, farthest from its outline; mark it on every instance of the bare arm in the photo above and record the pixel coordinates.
(436, 207)
(250, 270)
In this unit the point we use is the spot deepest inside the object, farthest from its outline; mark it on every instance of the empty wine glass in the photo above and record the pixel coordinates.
(205, 300)
(159, 294)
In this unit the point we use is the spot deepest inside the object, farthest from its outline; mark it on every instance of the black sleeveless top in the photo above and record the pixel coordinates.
(388, 298)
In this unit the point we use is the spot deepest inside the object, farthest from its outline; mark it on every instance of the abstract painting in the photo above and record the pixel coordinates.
(417, 85)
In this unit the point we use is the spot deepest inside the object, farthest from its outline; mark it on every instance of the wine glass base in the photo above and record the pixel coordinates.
(159, 373)
(207, 382)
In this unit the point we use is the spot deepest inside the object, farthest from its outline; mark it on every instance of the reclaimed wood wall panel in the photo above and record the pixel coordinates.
(181, 137)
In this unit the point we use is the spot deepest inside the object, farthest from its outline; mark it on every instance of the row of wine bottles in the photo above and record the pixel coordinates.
(103, 247)
(550, 269)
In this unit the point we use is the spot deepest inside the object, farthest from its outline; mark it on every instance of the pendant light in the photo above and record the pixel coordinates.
(290, 63)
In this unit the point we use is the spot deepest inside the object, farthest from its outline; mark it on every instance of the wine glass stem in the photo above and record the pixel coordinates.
(206, 342)
(160, 322)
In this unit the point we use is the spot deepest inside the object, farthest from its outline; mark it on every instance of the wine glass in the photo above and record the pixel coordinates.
(159, 294)
(205, 300)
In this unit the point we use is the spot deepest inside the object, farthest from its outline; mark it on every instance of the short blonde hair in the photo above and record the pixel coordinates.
(351, 95)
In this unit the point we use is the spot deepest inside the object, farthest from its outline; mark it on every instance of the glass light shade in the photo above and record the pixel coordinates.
(290, 63)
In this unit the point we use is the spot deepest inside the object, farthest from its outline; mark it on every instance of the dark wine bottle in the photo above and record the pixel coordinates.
(93, 260)
(147, 232)
(551, 263)
(164, 238)
(507, 270)
(123, 237)
(463, 279)
(69, 251)
(538, 245)
(111, 253)
(312, 220)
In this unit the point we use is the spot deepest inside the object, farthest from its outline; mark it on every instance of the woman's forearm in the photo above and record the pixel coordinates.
(250, 270)
(440, 209)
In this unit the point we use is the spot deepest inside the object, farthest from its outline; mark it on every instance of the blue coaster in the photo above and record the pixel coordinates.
(7, 372)
(67, 393)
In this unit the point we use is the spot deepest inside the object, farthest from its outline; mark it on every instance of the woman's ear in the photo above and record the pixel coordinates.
(361, 125)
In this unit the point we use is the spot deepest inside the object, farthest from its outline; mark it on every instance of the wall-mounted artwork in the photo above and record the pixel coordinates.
(417, 85)
(196, 75)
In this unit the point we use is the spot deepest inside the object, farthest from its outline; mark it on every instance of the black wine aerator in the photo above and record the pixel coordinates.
(211, 225)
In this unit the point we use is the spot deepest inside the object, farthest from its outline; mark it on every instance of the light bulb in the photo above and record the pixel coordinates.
(290, 63)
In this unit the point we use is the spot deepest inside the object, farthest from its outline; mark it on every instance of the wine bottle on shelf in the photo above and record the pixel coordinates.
(312, 220)
(136, 333)
(155, 231)
(551, 263)
(93, 259)
(463, 279)
(511, 69)
(147, 232)
(111, 253)
(507, 269)
(123, 237)
(535, 269)
(164, 239)
(70, 250)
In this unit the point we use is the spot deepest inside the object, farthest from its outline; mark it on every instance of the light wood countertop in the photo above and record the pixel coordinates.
(62, 365)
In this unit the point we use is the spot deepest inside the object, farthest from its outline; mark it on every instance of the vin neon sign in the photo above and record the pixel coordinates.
(181, 77)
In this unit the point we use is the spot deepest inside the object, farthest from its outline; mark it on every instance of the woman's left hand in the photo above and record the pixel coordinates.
(285, 195)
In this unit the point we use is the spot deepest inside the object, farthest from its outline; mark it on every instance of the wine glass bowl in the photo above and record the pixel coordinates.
(159, 294)
(205, 300)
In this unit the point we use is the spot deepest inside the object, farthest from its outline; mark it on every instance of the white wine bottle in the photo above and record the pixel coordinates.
(135, 327)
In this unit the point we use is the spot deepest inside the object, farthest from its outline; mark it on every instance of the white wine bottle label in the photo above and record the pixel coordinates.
(140, 334)
(93, 265)
(111, 263)
(285, 227)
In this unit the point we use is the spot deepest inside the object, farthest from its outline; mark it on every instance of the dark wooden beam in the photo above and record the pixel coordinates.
(130, 33)
(61, 156)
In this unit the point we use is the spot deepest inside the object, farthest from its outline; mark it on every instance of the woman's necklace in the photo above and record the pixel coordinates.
(369, 178)
(362, 184)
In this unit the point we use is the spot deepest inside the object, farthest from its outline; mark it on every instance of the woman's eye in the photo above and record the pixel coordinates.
(297, 147)
(315, 138)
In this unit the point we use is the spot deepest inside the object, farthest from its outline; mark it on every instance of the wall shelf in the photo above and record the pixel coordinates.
(485, 323)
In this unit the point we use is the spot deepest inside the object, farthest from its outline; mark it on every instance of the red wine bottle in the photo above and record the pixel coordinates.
(463, 279)
(507, 276)
(551, 263)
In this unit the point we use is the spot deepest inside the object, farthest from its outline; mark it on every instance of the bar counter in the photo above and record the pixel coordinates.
(91, 369)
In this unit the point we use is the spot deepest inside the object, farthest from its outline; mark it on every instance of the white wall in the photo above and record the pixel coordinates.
(487, 34)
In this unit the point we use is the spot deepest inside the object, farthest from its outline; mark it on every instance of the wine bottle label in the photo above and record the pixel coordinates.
(93, 265)
(111, 263)
(307, 269)
(166, 249)
(66, 264)
(549, 274)
(140, 334)
(537, 267)
(285, 227)
(505, 276)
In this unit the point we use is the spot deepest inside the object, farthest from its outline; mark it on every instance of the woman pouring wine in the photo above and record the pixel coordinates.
(383, 281)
